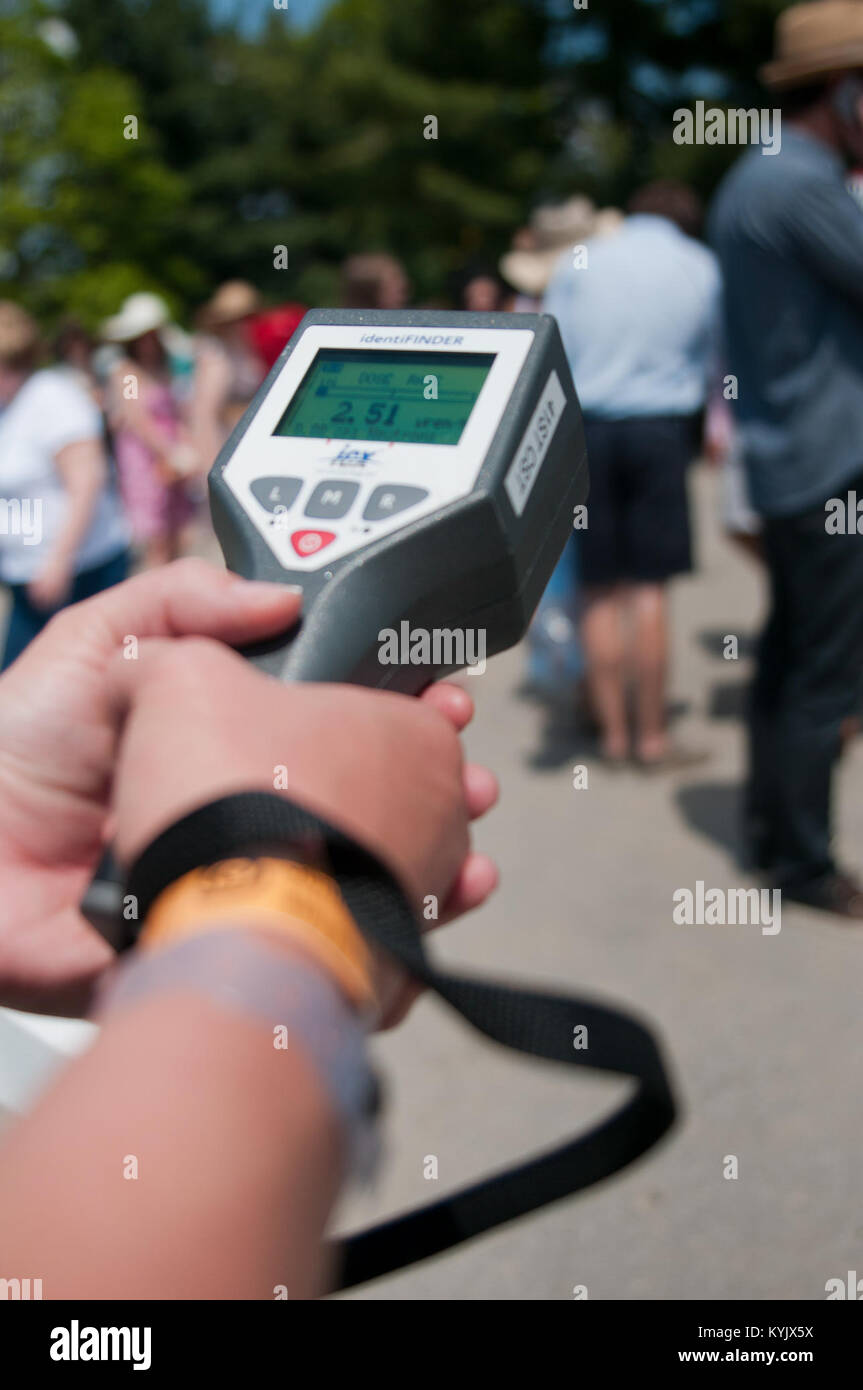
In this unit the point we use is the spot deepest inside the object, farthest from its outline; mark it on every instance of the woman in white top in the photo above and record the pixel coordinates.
(62, 532)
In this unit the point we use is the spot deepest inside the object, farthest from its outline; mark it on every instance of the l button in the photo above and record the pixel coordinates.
(276, 494)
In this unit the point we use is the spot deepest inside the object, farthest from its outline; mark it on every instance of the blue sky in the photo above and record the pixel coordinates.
(302, 12)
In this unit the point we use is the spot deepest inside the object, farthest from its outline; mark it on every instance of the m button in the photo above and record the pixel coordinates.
(387, 501)
(331, 499)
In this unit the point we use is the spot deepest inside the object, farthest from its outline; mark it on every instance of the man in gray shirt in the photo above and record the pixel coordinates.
(790, 242)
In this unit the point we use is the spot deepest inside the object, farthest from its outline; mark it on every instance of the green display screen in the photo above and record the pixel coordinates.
(403, 397)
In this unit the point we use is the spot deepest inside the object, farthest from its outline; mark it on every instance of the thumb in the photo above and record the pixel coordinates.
(187, 598)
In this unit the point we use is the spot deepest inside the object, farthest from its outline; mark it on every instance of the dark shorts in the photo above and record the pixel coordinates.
(637, 511)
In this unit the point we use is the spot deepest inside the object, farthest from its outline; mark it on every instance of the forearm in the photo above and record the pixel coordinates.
(205, 408)
(81, 501)
(132, 416)
(205, 430)
(185, 1156)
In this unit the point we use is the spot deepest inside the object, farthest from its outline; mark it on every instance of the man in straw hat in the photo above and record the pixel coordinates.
(790, 240)
(554, 229)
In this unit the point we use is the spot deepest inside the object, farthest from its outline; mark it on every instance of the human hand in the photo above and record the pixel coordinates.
(52, 584)
(179, 462)
(58, 741)
(201, 723)
(59, 733)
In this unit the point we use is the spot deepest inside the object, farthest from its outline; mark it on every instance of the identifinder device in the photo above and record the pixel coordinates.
(416, 474)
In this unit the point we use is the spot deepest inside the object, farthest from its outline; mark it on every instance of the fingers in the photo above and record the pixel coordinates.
(158, 663)
(408, 995)
(477, 879)
(452, 702)
(481, 789)
(62, 958)
(187, 598)
(480, 785)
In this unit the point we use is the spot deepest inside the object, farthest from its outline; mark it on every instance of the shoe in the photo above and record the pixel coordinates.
(757, 852)
(837, 892)
(756, 857)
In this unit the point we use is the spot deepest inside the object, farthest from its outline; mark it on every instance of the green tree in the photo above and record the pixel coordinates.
(253, 138)
(85, 211)
(317, 141)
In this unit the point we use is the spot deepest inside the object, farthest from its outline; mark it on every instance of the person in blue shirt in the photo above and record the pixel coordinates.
(638, 313)
(789, 236)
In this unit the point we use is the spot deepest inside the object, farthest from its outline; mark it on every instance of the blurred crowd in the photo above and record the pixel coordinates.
(747, 348)
(106, 440)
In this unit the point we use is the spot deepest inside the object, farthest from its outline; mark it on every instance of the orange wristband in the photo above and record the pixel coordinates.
(277, 895)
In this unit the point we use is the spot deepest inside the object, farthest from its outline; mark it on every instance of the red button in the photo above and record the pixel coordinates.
(307, 543)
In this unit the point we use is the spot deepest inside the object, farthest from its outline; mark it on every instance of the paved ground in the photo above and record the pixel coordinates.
(764, 1032)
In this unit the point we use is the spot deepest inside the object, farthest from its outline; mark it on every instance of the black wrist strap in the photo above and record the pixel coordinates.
(539, 1024)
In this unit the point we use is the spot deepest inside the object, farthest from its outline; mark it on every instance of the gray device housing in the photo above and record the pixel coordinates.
(472, 564)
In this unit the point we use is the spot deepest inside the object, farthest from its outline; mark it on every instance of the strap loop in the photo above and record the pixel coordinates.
(537, 1023)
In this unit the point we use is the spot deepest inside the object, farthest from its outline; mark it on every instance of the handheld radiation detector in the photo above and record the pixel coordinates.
(416, 474)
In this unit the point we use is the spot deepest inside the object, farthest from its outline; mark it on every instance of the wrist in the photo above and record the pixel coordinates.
(295, 904)
(258, 978)
(283, 945)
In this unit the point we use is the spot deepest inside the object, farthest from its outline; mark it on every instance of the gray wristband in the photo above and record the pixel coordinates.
(247, 976)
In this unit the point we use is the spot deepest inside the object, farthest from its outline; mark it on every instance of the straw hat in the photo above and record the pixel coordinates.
(139, 314)
(19, 335)
(234, 300)
(813, 40)
(554, 228)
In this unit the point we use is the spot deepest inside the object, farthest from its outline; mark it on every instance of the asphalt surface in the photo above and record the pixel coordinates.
(763, 1032)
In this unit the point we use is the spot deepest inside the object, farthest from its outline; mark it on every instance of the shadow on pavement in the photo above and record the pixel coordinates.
(568, 730)
(714, 810)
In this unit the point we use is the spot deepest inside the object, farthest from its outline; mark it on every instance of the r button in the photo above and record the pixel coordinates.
(387, 501)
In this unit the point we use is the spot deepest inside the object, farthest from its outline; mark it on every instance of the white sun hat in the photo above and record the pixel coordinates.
(139, 314)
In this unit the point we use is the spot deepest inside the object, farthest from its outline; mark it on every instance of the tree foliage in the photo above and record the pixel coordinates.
(255, 136)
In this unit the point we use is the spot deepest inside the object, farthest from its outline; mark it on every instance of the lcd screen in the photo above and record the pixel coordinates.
(398, 397)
